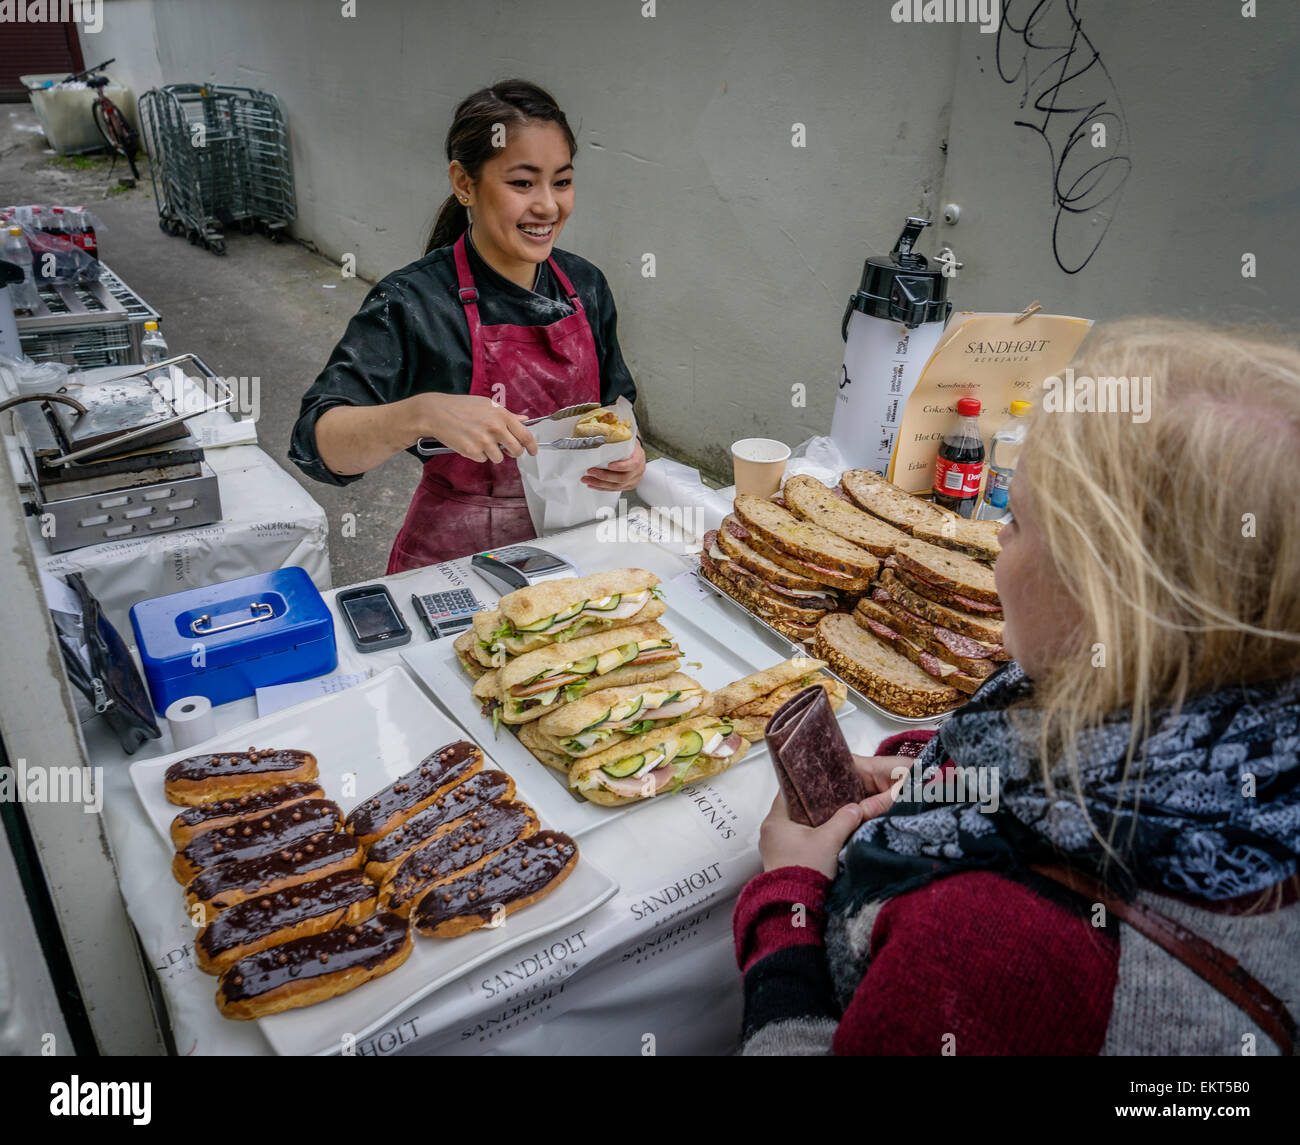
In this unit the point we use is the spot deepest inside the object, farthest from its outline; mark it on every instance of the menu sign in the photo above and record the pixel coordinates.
(992, 357)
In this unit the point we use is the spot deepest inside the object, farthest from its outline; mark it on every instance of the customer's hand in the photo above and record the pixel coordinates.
(475, 427)
(784, 843)
(617, 475)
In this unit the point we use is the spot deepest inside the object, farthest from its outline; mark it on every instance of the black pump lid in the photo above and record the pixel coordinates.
(901, 286)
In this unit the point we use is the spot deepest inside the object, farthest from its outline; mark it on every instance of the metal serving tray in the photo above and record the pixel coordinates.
(864, 700)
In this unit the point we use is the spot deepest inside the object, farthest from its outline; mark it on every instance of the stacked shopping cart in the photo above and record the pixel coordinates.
(220, 156)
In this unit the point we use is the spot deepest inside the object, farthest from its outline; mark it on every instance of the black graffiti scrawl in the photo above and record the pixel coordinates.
(1043, 49)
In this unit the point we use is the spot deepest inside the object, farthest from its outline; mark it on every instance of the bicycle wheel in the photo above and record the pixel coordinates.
(117, 133)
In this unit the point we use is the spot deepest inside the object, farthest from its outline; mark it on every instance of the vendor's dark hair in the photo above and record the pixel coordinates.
(469, 140)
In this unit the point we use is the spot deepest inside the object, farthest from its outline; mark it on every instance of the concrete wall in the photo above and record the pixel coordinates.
(684, 124)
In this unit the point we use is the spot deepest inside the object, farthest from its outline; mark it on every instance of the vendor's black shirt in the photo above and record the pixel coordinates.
(411, 336)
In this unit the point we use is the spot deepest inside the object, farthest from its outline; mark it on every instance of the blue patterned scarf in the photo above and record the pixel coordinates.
(1187, 822)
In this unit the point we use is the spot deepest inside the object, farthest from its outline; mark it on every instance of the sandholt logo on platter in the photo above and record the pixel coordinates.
(77, 1098)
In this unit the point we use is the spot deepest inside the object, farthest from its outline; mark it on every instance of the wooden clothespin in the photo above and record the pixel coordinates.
(1028, 312)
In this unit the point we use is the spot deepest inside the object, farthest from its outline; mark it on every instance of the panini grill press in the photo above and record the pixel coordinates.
(128, 467)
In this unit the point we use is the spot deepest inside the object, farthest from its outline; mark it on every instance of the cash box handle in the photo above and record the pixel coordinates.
(265, 610)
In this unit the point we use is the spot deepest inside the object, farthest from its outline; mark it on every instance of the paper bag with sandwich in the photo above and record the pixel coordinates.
(557, 498)
(814, 765)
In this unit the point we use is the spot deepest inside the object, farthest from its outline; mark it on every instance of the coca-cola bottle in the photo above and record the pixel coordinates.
(960, 465)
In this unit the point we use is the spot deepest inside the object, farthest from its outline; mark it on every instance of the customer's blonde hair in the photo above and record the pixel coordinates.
(1178, 538)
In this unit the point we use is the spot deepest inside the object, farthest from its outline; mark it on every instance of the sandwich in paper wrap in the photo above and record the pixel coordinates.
(813, 762)
(553, 487)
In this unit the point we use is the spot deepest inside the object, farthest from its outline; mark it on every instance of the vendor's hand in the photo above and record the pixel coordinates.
(784, 843)
(475, 427)
(618, 475)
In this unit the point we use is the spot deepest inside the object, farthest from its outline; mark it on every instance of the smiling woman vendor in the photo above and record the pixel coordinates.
(491, 327)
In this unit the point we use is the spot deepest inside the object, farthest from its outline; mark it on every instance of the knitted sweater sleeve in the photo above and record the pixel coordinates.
(971, 964)
(779, 926)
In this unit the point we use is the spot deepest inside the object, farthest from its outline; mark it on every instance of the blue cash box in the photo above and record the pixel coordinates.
(225, 641)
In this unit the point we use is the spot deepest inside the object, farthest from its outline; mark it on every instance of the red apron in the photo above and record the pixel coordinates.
(462, 506)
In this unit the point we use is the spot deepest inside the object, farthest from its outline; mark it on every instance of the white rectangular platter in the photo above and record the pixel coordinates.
(706, 633)
(379, 730)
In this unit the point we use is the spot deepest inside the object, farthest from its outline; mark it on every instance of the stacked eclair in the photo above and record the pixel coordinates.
(297, 903)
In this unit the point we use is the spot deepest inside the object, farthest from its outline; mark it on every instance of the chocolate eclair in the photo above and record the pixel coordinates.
(383, 855)
(194, 821)
(229, 884)
(229, 774)
(343, 898)
(470, 844)
(309, 970)
(309, 820)
(414, 791)
(511, 880)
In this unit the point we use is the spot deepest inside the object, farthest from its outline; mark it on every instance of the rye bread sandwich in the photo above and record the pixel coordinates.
(790, 602)
(978, 539)
(983, 627)
(658, 762)
(917, 640)
(804, 547)
(606, 717)
(750, 701)
(810, 500)
(872, 493)
(567, 608)
(536, 683)
(879, 672)
(961, 579)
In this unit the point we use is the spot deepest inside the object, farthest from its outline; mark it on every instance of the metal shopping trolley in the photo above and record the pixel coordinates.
(220, 156)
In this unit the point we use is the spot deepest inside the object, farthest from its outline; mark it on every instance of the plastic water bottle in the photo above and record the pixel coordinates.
(154, 347)
(1003, 456)
(23, 295)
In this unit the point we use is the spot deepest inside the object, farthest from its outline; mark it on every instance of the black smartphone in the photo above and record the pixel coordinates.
(373, 619)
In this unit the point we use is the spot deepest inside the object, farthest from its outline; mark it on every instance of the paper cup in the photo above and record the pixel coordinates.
(759, 465)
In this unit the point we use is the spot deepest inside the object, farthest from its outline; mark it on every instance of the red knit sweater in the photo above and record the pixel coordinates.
(975, 963)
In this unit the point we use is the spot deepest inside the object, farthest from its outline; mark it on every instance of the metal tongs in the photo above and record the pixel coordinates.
(432, 447)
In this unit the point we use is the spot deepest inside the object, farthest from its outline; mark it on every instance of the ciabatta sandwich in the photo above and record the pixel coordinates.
(538, 682)
(607, 717)
(749, 702)
(564, 609)
(657, 762)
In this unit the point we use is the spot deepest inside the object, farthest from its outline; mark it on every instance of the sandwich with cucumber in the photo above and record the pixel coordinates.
(567, 608)
(611, 715)
(658, 762)
(537, 683)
